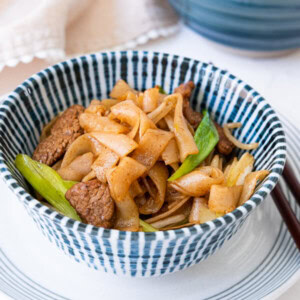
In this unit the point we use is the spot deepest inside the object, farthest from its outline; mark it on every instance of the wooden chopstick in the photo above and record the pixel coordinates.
(287, 214)
(291, 181)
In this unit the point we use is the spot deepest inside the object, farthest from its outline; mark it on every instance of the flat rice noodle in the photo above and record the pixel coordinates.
(159, 175)
(150, 100)
(105, 160)
(198, 182)
(89, 176)
(120, 90)
(145, 124)
(119, 143)
(164, 108)
(136, 190)
(83, 144)
(169, 221)
(168, 213)
(127, 112)
(200, 212)
(127, 214)
(184, 138)
(224, 199)
(250, 184)
(108, 103)
(132, 96)
(151, 146)
(171, 154)
(96, 102)
(96, 108)
(78, 168)
(94, 123)
(239, 171)
(121, 177)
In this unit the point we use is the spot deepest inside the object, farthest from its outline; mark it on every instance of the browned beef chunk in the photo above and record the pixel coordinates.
(194, 118)
(64, 131)
(224, 145)
(93, 202)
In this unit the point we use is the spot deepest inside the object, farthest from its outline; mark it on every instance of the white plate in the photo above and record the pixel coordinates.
(259, 261)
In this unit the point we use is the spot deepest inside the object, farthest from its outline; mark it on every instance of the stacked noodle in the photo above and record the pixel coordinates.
(133, 142)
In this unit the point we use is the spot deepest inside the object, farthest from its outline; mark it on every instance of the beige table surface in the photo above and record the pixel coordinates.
(276, 78)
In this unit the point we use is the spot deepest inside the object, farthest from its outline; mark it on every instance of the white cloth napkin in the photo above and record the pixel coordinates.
(56, 29)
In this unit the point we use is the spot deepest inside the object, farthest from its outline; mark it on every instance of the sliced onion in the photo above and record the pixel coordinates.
(200, 212)
(177, 226)
(239, 170)
(169, 212)
(250, 184)
(168, 221)
(233, 140)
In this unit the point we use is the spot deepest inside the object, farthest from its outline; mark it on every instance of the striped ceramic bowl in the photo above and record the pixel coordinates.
(35, 102)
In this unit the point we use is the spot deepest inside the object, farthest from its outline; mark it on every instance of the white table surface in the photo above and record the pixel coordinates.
(276, 78)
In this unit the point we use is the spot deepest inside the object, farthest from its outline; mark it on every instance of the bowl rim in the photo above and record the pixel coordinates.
(242, 211)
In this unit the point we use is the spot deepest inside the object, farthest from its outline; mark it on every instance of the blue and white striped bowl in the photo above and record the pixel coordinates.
(79, 80)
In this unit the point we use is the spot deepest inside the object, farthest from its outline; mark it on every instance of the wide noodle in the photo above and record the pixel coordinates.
(134, 141)
(198, 182)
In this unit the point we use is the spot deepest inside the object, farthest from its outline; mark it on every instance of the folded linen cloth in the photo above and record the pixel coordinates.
(56, 29)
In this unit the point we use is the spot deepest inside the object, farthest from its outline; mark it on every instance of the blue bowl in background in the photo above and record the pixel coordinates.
(272, 25)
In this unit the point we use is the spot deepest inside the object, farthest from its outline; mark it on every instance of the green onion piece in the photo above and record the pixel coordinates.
(161, 90)
(147, 227)
(48, 183)
(206, 138)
